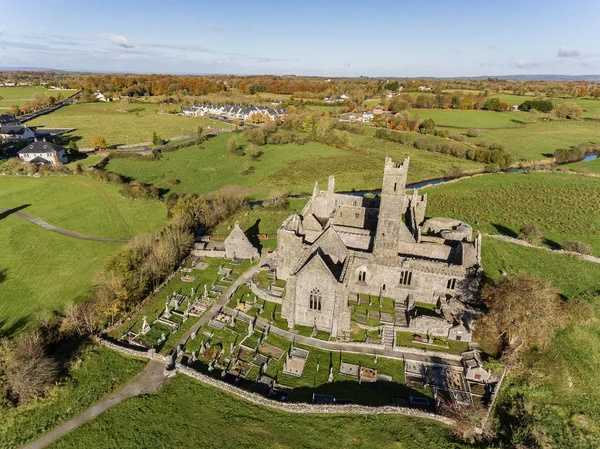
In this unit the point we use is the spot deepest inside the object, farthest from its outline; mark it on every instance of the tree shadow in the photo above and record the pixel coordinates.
(551, 244)
(9, 330)
(519, 122)
(252, 234)
(12, 211)
(504, 230)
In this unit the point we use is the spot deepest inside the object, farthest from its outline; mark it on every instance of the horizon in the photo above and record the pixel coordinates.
(435, 39)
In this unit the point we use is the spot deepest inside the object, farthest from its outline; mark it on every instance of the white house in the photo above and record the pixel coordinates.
(100, 96)
(45, 153)
(12, 129)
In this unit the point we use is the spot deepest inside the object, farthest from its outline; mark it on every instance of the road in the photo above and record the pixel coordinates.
(51, 227)
(148, 381)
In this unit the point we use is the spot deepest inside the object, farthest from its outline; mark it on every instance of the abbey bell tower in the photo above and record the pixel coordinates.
(391, 226)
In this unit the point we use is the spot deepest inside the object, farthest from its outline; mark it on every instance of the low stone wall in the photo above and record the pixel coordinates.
(263, 294)
(133, 351)
(308, 408)
(208, 253)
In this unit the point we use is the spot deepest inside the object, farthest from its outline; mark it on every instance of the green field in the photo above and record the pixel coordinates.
(283, 168)
(100, 373)
(42, 271)
(118, 128)
(21, 95)
(473, 119)
(212, 418)
(585, 167)
(564, 207)
(81, 204)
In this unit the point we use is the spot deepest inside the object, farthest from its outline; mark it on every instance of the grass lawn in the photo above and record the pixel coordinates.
(564, 207)
(212, 418)
(453, 346)
(539, 141)
(101, 372)
(284, 168)
(118, 128)
(585, 167)
(42, 271)
(82, 204)
(472, 119)
(22, 94)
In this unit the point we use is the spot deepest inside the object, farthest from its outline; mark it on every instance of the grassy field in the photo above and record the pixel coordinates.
(118, 128)
(101, 372)
(81, 204)
(283, 168)
(564, 207)
(212, 418)
(42, 271)
(472, 119)
(585, 167)
(21, 95)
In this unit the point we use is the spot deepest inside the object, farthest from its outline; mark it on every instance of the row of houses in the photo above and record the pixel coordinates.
(234, 111)
(336, 99)
(12, 130)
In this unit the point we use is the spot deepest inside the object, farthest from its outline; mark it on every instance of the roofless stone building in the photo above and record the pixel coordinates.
(342, 247)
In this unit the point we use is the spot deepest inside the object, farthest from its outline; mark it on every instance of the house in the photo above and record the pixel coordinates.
(377, 111)
(99, 96)
(424, 89)
(12, 130)
(44, 153)
(342, 247)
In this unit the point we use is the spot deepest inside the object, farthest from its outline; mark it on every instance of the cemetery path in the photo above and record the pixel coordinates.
(224, 299)
(51, 227)
(148, 381)
(399, 354)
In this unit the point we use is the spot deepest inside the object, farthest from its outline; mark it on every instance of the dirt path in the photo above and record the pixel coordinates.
(51, 227)
(148, 381)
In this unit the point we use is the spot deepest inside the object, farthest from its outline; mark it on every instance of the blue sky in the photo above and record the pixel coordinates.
(327, 38)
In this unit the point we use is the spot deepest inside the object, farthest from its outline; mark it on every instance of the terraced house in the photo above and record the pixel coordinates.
(343, 247)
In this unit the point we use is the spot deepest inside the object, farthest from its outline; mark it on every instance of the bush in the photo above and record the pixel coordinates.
(257, 136)
(531, 234)
(427, 126)
(421, 143)
(174, 181)
(457, 137)
(235, 146)
(538, 105)
(473, 132)
(578, 247)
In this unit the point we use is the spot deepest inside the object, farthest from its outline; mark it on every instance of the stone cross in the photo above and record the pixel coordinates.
(205, 291)
(330, 379)
(193, 336)
(202, 348)
(250, 329)
(145, 326)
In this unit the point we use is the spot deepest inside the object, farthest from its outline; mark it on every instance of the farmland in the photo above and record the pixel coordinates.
(141, 422)
(473, 119)
(119, 128)
(21, 95)
(282, 168)
(564, 207)
(42, 271)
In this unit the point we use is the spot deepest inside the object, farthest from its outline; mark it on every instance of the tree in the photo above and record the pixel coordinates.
(28, 370)
(15, 110)
(531, 234)
(235, 146)
(427, 127)
(157, 140)
(99, 142)
(524, 313)
(124, 104)
(569, 111)
(73, 148)
(467, 421)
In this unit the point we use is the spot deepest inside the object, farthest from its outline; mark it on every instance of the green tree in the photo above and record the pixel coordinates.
(427, 127)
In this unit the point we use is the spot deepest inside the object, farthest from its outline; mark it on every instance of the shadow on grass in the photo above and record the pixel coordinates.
(9, 330)
(551, 244)
(504, 230)
(9, 212)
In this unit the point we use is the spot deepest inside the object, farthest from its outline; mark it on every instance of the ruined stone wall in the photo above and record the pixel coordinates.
(289, 249)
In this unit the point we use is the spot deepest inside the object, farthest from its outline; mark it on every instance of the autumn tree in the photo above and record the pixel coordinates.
(99, 142)
(467, 421)
(15, 110)
(524, 313)
(569, 111)
(28, 370)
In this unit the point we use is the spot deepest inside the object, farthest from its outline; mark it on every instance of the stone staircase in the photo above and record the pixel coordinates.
(388, 336)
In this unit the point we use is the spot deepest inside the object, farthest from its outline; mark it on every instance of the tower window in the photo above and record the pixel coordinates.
(315, 299)
(405, 277)
(395, 186)
(357, 215)
(362, 275)
(451, 284)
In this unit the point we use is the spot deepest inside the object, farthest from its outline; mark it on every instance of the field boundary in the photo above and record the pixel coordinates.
(50, 227)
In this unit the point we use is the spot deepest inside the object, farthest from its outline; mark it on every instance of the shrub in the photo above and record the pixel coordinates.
(531, 234)
(174, 181)
(235, 146)
(421, 143)
(578, 247)
(473, 132)
(538, 105)
(457, 137)
(427, 126)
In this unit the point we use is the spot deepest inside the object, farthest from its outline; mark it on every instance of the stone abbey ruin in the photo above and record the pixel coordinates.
(343, 250)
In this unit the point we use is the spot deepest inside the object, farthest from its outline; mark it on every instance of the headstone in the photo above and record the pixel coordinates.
(145, 326)
(192, 295)
(194, 356)
(330, 379)
(167, 313)
(250, 328)
(186, 313)
(202, 348)
(210, 367)
(193, 336)
(230, 348)
(205, 291)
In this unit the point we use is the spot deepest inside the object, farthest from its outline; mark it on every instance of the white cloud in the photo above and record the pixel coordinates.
(566, 52)
(120, 41)
(213, 26)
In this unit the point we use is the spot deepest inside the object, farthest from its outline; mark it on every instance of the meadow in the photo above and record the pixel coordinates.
(585, 167)
(563, 206)
(22, 94)
(213, 418)
(473, 119)
(42, 271)
(120, 128)
(99, 372)
(288, 168)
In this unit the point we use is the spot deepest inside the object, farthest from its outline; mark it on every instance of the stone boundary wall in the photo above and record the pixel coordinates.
(543, 248)
(208, 253)
(351, 409)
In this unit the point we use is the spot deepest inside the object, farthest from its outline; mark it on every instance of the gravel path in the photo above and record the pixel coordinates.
(51, 227)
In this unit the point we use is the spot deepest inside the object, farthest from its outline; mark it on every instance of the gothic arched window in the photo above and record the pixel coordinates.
(315, 299)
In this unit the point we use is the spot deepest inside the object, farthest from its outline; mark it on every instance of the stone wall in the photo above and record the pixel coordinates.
(208, 253)
(263, 294)
(309, 408)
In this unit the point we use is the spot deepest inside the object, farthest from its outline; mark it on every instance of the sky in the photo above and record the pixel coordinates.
(436, 38)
